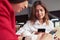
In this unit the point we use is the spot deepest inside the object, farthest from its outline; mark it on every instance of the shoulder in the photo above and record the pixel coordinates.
(50, 21)
(28, 22)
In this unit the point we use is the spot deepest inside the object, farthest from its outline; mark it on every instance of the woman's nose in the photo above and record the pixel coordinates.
(26, 5)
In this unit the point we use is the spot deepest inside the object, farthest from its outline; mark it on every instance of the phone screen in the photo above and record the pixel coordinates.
(41, 30)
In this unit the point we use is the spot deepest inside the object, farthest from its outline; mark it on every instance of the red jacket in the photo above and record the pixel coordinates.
(7, 21)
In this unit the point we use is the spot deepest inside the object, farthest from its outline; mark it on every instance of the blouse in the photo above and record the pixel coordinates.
(28, 29)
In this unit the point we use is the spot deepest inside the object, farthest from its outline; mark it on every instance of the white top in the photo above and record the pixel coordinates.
(28, 28)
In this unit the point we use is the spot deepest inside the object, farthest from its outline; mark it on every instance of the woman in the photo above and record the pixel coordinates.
(38, 20)
(7, 17)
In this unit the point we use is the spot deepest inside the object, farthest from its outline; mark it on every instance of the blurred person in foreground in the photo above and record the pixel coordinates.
(7, 17)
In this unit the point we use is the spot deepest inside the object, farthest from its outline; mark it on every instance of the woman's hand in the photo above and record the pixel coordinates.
(45, 36)
(56, 38)
(41, 35)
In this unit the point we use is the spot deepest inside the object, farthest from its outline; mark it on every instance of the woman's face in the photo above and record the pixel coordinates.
(18, 7)
(40, 12)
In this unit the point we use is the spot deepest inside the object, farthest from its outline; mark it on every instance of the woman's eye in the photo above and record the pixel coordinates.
(39, 10)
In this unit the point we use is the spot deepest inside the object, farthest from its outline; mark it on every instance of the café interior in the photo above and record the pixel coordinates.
(53, 7)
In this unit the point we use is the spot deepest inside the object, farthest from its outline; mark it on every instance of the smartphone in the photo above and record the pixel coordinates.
(41, 30)
(52, 32)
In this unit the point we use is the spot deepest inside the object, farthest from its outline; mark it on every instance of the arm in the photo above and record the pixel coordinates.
(6, 30)
(27, 31)
(51, 26)
(24, 30)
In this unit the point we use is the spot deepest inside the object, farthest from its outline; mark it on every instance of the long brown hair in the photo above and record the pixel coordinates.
(33, 17)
